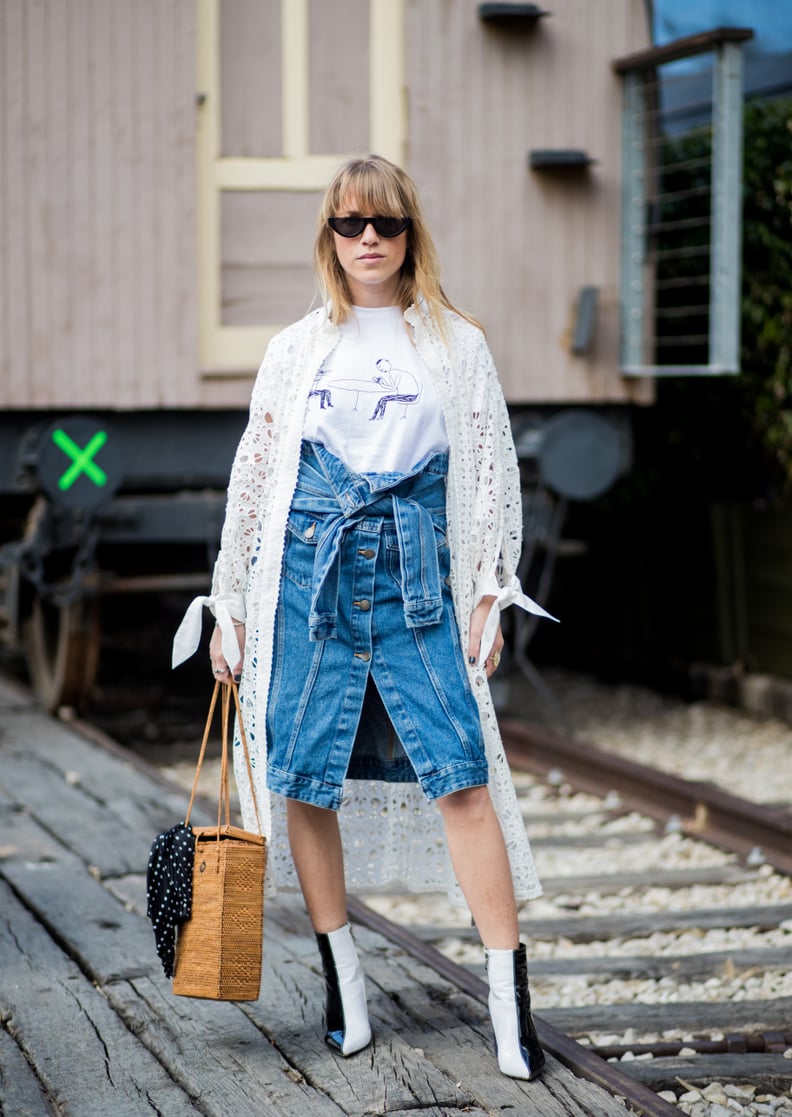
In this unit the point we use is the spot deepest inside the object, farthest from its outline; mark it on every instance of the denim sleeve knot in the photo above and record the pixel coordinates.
(347, 498)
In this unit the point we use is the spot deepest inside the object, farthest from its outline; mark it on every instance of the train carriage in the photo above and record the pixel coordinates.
(162, 163)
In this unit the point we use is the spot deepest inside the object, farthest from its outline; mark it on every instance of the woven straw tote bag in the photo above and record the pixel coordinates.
(218, 949)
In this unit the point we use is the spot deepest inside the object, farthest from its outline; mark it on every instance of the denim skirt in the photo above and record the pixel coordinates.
(368, 678)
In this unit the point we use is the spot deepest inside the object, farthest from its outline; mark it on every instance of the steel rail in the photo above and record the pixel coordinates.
(582, 1061)
(703, 810)
(734, 1044)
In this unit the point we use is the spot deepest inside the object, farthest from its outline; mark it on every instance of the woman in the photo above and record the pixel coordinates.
(371, 538)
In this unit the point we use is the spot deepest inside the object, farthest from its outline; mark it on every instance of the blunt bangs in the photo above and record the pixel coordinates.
(374, 191)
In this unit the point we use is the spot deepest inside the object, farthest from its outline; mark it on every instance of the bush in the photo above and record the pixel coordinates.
(730, 438)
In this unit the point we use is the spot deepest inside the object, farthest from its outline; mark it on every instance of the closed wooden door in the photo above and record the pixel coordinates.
(287, 90)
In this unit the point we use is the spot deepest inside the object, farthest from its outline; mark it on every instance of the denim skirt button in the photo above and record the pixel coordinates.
(364, 604)
(365, 656)
(367, 553)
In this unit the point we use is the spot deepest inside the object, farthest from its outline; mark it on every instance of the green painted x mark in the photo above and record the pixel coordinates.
(82, 460)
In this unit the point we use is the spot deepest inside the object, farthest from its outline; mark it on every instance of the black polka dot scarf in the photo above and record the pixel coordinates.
(169, 888)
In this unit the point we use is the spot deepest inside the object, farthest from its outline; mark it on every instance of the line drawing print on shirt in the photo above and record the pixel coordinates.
(386, 386)
(391, 379)
(324, 394)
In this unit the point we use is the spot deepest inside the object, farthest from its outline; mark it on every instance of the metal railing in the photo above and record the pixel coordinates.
(681, 205)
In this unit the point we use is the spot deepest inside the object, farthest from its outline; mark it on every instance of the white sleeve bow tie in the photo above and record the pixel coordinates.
(188, 634)
(509, 594)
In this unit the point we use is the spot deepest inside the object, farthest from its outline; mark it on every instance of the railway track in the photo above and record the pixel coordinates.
(662, 946)
(666, 926)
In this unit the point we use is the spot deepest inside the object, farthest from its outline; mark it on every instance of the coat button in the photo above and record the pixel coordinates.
(363, 604)
(365, 656)
(367, 553)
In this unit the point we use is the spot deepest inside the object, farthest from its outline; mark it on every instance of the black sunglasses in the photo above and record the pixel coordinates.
(354, 226)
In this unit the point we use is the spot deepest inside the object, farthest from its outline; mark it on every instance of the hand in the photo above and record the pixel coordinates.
(220, 669)
(477, 621)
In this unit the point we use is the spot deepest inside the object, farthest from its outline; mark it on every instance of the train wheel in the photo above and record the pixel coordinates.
(62, 650)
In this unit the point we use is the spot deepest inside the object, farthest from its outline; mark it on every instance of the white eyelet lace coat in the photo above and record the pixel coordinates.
(393, 838)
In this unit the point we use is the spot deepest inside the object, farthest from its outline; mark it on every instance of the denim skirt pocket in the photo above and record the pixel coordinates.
(302, 532)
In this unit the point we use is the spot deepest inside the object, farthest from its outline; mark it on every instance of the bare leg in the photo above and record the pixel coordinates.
(315, 842)
(481, 863)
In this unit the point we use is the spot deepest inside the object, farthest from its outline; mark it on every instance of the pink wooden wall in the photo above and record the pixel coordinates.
(516, 244)
(97, 203)
(98, 238)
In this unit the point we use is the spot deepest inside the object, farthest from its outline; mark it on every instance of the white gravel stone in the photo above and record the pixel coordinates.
(740, 1091)
(696, 740)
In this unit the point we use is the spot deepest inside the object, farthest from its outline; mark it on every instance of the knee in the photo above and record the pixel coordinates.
(308, 816)
(296, 808)
(471, 804)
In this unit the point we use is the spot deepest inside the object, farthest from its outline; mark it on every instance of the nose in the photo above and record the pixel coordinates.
(369, 234)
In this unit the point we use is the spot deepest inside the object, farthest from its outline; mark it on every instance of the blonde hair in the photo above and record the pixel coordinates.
(381, 189)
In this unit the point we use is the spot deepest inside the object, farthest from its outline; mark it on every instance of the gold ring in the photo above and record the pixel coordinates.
(495, 660)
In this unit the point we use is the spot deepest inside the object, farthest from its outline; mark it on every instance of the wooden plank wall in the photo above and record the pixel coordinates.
(517, 245)
(250, 78)
(97, 203)
(98, 287)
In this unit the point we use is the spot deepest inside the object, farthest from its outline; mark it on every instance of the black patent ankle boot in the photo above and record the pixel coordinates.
(519, 1052)
(347, 1027)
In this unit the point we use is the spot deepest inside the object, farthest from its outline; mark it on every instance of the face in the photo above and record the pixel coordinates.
(372, 263)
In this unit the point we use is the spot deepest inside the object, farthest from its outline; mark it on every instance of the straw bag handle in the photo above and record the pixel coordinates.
(223, 798)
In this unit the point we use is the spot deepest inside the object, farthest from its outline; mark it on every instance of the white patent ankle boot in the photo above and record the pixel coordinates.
(346, 1015)
(516, 1042)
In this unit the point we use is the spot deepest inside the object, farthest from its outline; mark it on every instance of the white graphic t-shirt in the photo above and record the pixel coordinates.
(372, 403)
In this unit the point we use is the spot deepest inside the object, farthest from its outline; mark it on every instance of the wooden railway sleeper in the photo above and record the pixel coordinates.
(734, 1044)
(582, 1061)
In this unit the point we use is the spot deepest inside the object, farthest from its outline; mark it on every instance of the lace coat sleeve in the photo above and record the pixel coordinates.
(246, 495)
(497, 517)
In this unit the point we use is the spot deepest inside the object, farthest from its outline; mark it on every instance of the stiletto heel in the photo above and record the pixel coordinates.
(346, 1015)
(519, 1052)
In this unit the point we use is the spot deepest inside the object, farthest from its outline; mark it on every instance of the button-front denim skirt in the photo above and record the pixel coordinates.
(368, 678)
